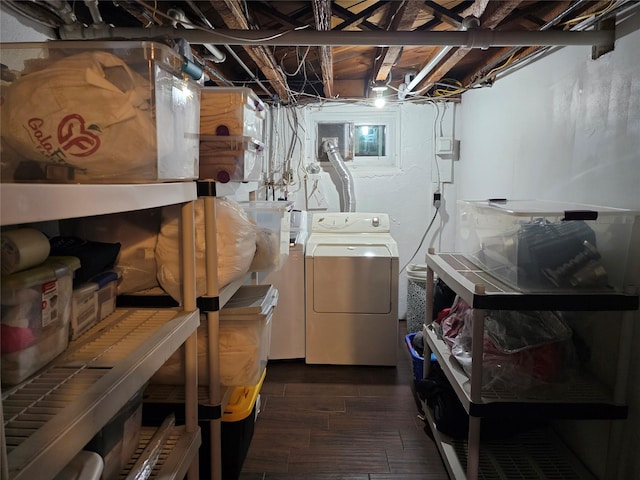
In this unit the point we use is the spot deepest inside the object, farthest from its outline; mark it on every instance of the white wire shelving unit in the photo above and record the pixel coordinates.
(51, 416)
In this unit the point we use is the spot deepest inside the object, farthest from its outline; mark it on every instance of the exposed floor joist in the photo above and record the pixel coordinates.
(490, 17)
(401, 19)
(322, 15)
(231, 13)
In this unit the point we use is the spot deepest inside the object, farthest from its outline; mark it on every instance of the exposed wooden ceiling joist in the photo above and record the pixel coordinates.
(508, 55)
(322, 14)
(355, 20)
(402, 19)
(231, 13)
(445, 15)
(490, 17)
(267, 10)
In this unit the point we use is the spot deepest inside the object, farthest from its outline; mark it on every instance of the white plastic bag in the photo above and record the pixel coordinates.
(236, 238)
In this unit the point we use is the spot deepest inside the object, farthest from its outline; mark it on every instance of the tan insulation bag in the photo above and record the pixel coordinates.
(89, 111)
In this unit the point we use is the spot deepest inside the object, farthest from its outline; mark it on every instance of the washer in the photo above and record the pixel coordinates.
(351, 273)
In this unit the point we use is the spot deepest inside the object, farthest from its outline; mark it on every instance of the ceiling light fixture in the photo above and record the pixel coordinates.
(379, 89)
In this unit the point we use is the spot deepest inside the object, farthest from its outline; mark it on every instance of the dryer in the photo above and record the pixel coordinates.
(351, 284)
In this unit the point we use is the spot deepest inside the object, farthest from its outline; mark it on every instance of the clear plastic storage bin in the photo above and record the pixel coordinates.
(97, 112)
(34, 321)
(245, 334)
(274, 218)
(234, 111)
(244, 338)
(230, 159)
(536, 245)
(84, 309)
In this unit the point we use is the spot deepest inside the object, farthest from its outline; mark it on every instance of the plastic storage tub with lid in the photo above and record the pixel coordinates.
(230, 159)
(34, 321)
(272, 245)
(235, 111)
(537, 245)
(98, 112)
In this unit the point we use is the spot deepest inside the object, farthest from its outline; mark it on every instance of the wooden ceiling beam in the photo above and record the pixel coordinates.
(400, 20)
(263, 8)
(490, 17)
(445, 15)
(358, 18)
(499, 59)
(322, 15)
(232, 15)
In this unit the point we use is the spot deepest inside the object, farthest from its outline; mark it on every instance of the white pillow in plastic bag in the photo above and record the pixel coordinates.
(236, 238)
(239, 351)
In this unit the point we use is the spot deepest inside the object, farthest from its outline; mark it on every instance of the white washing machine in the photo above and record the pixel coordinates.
(351, 272)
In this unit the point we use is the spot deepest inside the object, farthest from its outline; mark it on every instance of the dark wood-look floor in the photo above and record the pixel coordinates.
(321, 422)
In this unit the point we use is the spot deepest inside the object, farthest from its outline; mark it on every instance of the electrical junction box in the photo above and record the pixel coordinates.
(447, 148)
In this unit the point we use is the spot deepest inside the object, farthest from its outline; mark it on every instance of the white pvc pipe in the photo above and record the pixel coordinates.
(179, 16)
(427, 68)
(474, 38)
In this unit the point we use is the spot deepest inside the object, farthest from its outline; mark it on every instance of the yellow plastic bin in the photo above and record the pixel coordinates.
(238, 421)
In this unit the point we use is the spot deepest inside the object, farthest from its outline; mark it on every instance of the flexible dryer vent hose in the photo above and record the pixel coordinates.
(348, 193)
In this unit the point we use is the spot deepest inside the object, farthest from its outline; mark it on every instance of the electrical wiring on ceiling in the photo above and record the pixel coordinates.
(155, 11)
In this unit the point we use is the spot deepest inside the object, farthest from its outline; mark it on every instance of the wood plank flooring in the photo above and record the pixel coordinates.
(322, 422)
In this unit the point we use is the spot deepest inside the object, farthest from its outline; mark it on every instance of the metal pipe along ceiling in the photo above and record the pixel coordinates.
(474, 38)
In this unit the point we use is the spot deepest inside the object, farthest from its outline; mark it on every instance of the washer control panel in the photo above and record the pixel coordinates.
(350, 222)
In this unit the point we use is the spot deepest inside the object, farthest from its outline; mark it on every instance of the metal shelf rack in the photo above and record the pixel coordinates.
(48, 418)
(583, 398)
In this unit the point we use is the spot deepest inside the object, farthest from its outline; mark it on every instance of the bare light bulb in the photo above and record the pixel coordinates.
(379, 89)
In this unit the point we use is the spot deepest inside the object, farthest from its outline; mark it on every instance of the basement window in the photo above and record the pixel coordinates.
(367, 140)
(370, 141)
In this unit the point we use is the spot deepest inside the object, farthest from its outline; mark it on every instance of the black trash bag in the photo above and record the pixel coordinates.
(449, 415)
(443, 297)
(95, 257)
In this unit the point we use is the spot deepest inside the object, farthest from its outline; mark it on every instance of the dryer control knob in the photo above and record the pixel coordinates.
(375, 221)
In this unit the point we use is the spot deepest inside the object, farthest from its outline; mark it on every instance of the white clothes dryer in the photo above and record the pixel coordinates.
(351, 275)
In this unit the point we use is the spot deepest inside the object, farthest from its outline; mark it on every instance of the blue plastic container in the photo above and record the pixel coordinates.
(418, 361)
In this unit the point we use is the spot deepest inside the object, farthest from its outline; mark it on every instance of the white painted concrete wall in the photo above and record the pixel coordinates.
(567, 128)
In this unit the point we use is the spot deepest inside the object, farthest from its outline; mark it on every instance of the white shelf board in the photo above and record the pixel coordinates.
(464, 277)
(178, 453)
(38, 202)
(53, 415)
